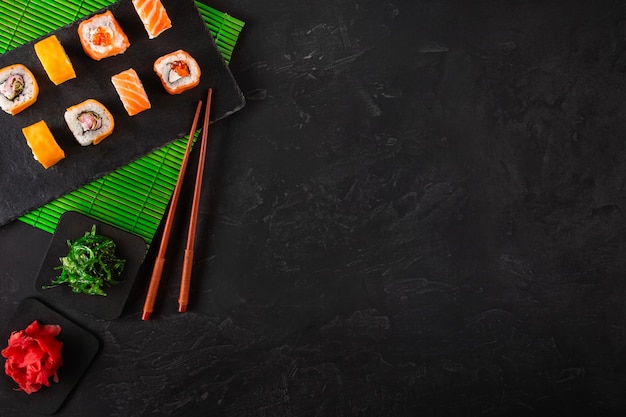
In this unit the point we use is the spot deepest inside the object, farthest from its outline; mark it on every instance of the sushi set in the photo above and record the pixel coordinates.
(81, 101)
(100, 93)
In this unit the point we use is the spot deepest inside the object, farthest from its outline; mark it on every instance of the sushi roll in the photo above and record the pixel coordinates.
(153, 16)
(41, 142)
(89, 121)
(18, 88)
(178, 71)
(131, 91)
(102, 36)
(55, 61)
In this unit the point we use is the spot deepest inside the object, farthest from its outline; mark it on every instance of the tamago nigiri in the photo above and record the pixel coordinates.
(54, 60)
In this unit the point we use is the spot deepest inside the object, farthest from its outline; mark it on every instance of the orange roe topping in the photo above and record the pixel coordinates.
(101, 37)
(180, 67)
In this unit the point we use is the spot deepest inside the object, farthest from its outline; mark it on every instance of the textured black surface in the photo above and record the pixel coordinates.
(26, 185)
(420, 212)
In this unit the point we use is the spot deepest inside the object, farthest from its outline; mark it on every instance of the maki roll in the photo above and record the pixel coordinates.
(41, 142)
(153, 16)
(131, 91)
(89, 121)
(18, 88)
(101, 36)
(54, 60)
(178, 71)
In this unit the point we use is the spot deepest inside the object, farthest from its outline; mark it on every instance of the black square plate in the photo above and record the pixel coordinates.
(79, 349)
(130, 247)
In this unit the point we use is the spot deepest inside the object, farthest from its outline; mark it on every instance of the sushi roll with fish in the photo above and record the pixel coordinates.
(45, 149)
(89, 121)
(18, 88)
(153, 16)
(102, 36)
(178, 71)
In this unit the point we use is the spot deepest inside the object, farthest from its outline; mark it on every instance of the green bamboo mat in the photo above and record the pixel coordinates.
(134, 197)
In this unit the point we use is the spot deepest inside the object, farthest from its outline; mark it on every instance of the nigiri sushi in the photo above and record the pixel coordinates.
(54, 60)
(102, 36)
(18, 88)
(89, 121)
(178, 71)
(131, 91)
(153, 16)
(41, 142)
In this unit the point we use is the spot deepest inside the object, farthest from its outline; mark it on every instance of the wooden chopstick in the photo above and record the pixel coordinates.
(155, 279)
(185, 280)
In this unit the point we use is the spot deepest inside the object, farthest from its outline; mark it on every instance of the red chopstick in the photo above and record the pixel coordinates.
(155, 279)
(185, 281)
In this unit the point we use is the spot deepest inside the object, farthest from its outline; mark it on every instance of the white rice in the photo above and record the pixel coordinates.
(28, 92)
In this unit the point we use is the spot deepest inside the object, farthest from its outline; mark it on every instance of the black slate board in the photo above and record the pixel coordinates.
(26, 185)
(129, 247)
(79, 349)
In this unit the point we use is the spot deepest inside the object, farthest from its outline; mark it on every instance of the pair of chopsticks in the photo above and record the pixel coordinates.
(157, 271)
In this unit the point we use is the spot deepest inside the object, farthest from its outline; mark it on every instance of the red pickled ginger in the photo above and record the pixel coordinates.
(33, 356)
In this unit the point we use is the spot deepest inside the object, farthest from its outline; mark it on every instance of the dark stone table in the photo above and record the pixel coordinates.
(418, 213)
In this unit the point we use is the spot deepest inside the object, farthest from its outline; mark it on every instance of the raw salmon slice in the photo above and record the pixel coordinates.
(131, 91)
(153, 16)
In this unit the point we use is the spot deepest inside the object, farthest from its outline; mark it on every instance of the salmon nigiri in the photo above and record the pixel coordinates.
(153, 16)
(131, 91)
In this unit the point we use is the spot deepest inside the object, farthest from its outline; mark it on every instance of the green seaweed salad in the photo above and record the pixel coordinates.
(91, 264)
